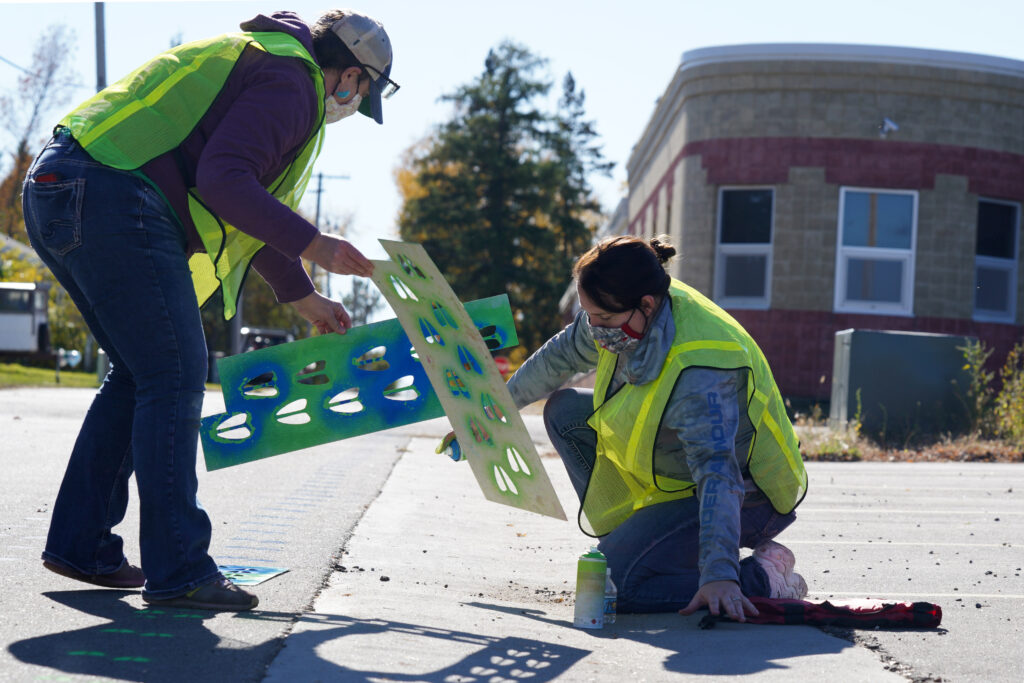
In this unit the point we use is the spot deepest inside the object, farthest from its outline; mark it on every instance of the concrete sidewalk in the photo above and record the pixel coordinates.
(438, 584)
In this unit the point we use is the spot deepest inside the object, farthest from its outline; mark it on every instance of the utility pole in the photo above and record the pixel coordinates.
(319, 190)
(101, 49)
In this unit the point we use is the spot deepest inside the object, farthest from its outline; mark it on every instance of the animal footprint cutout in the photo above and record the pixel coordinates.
(468, 361)
(492, 411)
(455, 384)
(430, 333)
(402, 389)
(403, 290)
(444, 318)
(261, 386)
(345, 402)
(236, 427)
(516, 461)
(373, 360)
(504, 481)
(480, 433)
(410, 268)
(493, 337)
(313, 373)
(293, 413)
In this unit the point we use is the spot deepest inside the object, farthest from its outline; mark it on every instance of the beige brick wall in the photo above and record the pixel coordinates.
(804, 253)
(946, 228)
(804, 98)
(696, 244)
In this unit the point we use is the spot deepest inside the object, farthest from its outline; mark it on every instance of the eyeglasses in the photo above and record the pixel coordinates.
(390, 88)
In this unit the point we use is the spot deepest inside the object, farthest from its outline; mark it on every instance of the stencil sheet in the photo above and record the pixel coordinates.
(468, 383)
(330, 387)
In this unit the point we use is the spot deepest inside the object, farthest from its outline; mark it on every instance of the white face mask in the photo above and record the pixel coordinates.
(336, 111)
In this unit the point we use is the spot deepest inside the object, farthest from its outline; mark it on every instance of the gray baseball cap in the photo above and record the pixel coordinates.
(366, 38)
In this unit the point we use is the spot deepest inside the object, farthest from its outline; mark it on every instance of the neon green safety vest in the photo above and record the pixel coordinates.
(627, 423)
(156, 107)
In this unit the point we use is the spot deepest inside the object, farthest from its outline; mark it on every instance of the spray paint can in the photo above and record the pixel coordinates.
(591, 570)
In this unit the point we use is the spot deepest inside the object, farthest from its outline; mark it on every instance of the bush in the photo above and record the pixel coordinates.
(995, 413)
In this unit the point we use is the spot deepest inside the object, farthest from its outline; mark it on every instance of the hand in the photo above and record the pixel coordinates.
(450, 446)
(722, 596)
(337, 255)
(328, 315)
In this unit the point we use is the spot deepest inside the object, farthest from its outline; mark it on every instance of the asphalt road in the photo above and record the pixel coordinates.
(399, 570)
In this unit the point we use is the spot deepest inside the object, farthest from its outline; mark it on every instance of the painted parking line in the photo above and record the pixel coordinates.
(926, 544)
(888, 511)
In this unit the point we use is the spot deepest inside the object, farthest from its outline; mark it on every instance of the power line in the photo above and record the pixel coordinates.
(16, 66)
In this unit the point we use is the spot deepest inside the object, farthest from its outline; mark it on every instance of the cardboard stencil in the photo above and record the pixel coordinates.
(249, 576)
(468, 383)
(330, 387)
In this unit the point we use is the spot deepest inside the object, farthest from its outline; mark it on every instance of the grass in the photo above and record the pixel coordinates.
(819, 441)
(14, 375)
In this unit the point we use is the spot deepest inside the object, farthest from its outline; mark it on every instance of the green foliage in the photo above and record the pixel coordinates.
(1008, 407)
(14, 375)
(995, 413)
(499, 197)
(979, 391)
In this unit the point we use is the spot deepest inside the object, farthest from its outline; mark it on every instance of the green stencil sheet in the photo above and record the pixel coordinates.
(331, 387)
(468, 383)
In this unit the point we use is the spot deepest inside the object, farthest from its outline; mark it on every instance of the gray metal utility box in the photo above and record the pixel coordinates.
(910, 384)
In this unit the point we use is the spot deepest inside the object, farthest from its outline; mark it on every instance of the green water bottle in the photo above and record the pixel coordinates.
(591, 572)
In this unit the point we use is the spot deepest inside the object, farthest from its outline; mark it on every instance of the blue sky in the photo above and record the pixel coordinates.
(623, 54)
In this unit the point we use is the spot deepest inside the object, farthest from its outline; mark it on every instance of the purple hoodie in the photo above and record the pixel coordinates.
(252, 131)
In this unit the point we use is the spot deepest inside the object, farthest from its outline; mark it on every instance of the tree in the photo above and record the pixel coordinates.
(363, 301)
(498, 196)
(25, 113)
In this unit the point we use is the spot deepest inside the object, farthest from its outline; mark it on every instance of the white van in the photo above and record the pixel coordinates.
(24, 325)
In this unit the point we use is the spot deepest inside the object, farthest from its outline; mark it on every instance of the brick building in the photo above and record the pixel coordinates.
(815, 188)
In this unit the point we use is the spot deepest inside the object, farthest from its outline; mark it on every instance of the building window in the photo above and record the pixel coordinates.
(743, 266)
(995, 261)
(875, 256)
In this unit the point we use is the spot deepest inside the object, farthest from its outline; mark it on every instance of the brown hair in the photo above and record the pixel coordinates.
(619, 271)
(330, 51)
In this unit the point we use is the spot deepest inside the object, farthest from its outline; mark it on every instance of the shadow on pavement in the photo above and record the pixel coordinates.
(153, 645)
(727, 650)
(493, 658)
(165, 645)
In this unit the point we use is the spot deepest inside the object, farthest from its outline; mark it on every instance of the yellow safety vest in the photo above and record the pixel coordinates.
(156, 107)
(627, 423)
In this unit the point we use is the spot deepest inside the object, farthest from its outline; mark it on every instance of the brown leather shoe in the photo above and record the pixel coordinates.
(126, 576)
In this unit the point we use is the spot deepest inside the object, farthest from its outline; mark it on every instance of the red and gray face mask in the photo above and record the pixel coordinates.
(617, 340)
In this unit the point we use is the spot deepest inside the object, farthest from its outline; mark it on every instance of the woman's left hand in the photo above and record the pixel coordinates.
(327, 314)
(722, 597)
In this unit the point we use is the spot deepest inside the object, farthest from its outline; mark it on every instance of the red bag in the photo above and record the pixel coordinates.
(850, 613)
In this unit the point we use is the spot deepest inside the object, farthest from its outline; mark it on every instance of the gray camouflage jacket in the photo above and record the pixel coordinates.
(684, 447)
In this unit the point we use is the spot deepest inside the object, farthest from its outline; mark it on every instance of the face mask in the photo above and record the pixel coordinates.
(335, 111)
(614, 339)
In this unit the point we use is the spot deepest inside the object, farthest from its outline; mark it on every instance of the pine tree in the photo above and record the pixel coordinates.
(498, 195)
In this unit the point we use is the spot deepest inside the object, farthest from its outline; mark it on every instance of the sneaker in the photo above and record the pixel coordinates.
(220, 595)
(777, 561)
(126, 576)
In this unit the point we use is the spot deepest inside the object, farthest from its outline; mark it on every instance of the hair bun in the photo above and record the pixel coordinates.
(662, 248)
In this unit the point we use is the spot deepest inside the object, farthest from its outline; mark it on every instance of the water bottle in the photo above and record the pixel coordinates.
(591, 573)
(611, 597)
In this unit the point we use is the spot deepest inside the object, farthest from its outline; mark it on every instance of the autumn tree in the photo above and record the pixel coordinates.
(499, 196)
(27, 114)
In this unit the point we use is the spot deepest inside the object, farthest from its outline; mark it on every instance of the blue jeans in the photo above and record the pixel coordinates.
(653, 555)
(119, 252)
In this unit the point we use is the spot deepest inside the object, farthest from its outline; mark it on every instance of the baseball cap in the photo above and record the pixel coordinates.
(366, 38)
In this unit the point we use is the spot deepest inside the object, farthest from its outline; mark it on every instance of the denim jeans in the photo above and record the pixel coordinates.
(653, 555)
(119, 252)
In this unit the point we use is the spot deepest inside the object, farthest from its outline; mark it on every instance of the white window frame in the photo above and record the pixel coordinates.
(722, 251)
(994, 263)
(905, 307)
